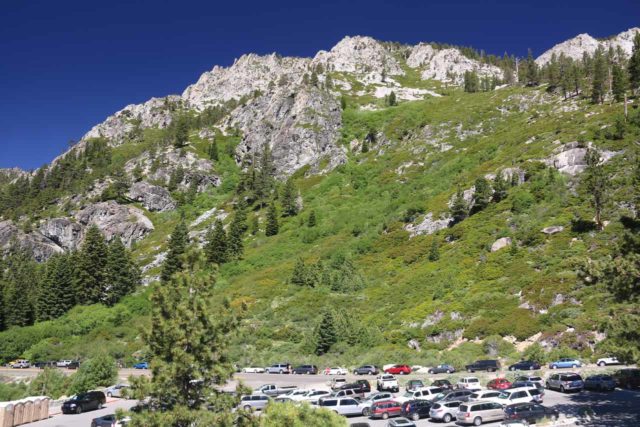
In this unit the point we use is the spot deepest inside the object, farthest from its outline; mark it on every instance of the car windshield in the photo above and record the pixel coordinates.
(535, 378)
(572, 378)
(473, 380)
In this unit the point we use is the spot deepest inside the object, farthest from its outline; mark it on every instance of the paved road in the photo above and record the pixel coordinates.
(84, 419)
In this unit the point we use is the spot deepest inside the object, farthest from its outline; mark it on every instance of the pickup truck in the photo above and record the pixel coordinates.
(387, 382)
(274, 390)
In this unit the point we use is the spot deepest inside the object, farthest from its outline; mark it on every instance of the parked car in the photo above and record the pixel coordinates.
(253, 370)
(531, 378)
(530, 412)
(399, 422)
(336, 383)
(84, 402)
(605, 361)
(398, 370)
(140, 365)
(386, 409)
(499, 384)
(314, 396)
(565, 362)
(74, 364)
(627, 378)
(490, 395)
(469, 383)
(414, 385)
(520, 395)
(477, 413)
(366, 370)
(344, 406)
(349, 392)
(525, 365)
(305, 369)
(335, 371)
(254, 402)
(483, 365)
(416, 409)
(361, 386)
(20, 364)
(365, 405)
(565, 382)
(453, 395)
(110, 421)
(63, 363)
(444, 411)
(279, 368)
(47, 364)
(425, 393)
(274, 390)
(529, 384)
(387, 382)
(600, 383)
(442, 369)
(117, 390)
(444, 384)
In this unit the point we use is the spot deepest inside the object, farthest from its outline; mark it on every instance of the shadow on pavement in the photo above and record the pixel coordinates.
(609, 409)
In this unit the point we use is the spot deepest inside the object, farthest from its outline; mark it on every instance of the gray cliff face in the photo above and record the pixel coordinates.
(63, 232)
(301, 128)
(114, 220)
(34, 242)
(152, 197)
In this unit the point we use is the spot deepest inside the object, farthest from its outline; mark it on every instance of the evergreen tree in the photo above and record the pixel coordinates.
(265, 178)
(235, 245)
(216, 246)
(177, 246)
(22, 279)
(188, 344)
(272, 226)
(56, 295)
(181, 131)
(91, 269)
(619, 82)
(434, 252)
(192, 191)
(213, 151)
(392, 100)
(499, 187)
(471, 81)
(481, 195)
(123, 274)
(311, 222)
(598, 84)
(289, 204)
(176, 177)
(255, 225)
(365, 146)
(299, 274)
(459, 209)
(532, 70)
(325, 334)
(634, 64)
(596, 184)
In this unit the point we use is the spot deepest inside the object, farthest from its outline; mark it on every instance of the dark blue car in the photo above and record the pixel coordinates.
(141, 365)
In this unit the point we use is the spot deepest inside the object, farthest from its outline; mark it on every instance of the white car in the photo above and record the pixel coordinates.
(295, 395)
(314, 395)
(365, 405)
(335, 371)
(490, 395)
(469, 383)
(344, 406)
(253, 370)
(604, 361)
(110, 421)
(520, 395)
(387, 382)
(63, 363)
(424, 393)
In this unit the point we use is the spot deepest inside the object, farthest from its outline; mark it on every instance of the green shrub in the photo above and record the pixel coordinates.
(98, 371)
(50, 382)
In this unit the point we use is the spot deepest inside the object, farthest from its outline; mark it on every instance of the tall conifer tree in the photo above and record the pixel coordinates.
(91, 268)
(177, 246)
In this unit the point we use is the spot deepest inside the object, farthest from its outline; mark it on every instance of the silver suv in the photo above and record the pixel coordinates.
(344, 406)
(565, 382)
(253, 402)
(444, 411)
(477, 413)
(279, 368)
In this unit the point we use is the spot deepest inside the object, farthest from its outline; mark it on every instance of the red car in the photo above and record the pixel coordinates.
(499, 384)
(398, 370)
(386, 409)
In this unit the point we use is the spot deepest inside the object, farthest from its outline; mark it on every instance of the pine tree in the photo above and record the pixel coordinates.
(123, 274)
(499, 187)
(21, 282)
(471, 81)
(481, 195)
(392, 100)
(255, 225)
(634, 64)
(619, 82)
(188, 345)
(56, 294)
(299, 274)
(177, 246)
(434, 252)
(325, 335)
(91, 269)
(598, 85)
(596, 184)
(216, 246)
(265, 178)
(181, 131)
(213, 151)
(176, 177)
(311, 222)
(289, 204)
(532, 70)
(459, 209)
(272, 226)
(235, 245)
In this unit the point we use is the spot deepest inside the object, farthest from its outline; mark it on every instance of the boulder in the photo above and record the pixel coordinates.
(152, 197)
(552, 229)
(502, 242)
(37, 244)
(428, 225)
(414, 344)
(63, 231)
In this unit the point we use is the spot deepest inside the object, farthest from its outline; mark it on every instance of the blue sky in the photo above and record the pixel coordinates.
(66, 65)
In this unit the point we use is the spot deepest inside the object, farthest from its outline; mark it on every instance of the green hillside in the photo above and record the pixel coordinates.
(359, 269)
